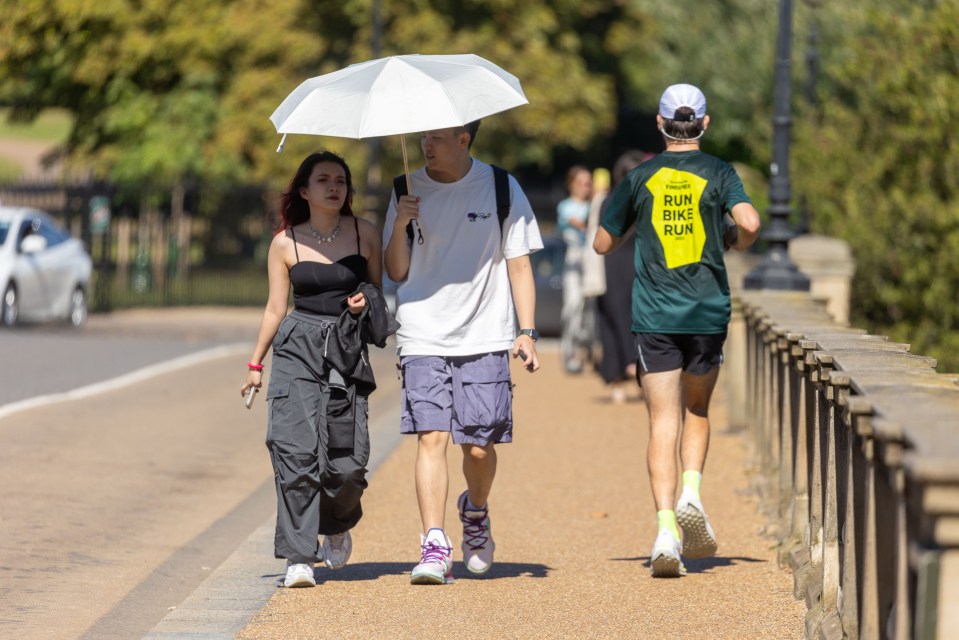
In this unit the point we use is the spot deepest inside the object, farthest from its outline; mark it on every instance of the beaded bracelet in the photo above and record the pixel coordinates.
(254, 367)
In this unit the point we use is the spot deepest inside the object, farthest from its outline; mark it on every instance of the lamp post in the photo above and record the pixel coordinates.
(777, 271)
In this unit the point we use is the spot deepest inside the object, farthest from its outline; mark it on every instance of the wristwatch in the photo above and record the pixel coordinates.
(532, 333)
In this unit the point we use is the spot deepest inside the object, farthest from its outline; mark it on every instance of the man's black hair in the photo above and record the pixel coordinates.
(684, 125)
(471, 128)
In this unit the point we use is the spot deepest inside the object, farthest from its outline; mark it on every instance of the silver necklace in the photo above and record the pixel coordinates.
(322, 239)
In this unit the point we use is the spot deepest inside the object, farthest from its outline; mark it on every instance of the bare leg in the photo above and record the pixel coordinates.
(432, 478)
(631, 376)
(617, 393)
(479, 469)
(697, 391)
(664, 401)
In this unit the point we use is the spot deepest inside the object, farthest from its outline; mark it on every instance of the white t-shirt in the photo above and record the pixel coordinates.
(456, 299)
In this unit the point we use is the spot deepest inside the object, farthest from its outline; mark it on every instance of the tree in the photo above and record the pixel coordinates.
(165, 90)
(543, 44)
(725, 48)
(159, 90)
(880, 156)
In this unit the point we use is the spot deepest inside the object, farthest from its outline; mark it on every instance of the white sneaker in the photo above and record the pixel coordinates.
(699, 541)
(337, 549)
(436, 562)
(664, 560)
(299, 575)
(478, 543)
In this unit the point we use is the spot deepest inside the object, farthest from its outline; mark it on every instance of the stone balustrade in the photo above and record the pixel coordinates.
(857, 442)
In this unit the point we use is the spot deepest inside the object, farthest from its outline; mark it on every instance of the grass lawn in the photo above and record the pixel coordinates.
(9, 171)
(53, 125)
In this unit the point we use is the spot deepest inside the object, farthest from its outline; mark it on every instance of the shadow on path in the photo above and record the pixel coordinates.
(702, 565)
(362, 571)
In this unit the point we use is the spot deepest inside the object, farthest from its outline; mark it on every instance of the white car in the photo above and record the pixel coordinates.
(44, 272)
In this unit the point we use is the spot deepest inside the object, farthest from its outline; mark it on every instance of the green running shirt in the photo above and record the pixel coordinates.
(676, 202)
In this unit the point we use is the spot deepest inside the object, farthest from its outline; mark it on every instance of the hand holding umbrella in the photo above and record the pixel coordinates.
(408, 210)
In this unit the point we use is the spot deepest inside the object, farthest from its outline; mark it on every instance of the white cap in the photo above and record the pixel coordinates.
(682, 95)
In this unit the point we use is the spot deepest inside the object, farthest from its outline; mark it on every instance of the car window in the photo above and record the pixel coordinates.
(49, 230)
(4, 231)
(26, 228)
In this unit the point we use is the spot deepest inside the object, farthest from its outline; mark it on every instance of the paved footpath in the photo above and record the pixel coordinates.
(573, 521)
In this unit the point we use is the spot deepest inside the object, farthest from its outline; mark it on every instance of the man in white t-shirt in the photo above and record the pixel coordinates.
(463, 284)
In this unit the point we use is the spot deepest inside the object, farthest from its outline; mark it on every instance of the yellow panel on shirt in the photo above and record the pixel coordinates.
(676, 216)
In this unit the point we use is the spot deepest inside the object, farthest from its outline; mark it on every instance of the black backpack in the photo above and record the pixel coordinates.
(501, 180)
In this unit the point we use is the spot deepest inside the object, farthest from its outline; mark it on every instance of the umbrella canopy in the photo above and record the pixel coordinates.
(399, 94)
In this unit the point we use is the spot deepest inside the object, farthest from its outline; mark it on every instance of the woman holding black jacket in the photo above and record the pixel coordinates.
(317, 430)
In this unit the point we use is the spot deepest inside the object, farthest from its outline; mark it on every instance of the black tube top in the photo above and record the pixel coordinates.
(322, 288)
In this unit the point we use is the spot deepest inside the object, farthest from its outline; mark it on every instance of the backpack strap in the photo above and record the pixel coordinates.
(500, 181)
(399, 186)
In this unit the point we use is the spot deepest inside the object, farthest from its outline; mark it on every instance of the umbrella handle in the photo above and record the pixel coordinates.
(406, 164)
(406, 172)
(279, 149)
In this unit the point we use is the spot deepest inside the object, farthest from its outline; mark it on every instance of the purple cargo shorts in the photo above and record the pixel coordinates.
(469, 396)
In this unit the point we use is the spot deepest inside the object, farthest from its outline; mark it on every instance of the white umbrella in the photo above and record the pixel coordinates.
(397, 95)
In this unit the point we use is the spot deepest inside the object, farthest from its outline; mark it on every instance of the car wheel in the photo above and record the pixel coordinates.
(78, 307)
(10, 308)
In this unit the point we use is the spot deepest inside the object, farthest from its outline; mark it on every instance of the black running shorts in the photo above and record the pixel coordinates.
(693, 353)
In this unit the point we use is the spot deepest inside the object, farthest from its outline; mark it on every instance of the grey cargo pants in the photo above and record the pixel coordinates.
(318, 487)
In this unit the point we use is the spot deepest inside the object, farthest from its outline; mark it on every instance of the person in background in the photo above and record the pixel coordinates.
(572, 215)
(676, 203)
(617, 367)
(317, 431)
(461, 291)
(594, 271)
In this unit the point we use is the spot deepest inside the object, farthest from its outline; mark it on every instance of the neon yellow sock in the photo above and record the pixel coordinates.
(667, 520)
(692, 480)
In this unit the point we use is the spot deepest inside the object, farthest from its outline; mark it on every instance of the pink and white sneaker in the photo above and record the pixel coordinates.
(436, 561)
(478, 545)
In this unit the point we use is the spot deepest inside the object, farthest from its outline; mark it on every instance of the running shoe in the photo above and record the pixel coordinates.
(337, 549)
(478, 543)
(436, 562)
(699, 541)
(299, 575)
(664, 560)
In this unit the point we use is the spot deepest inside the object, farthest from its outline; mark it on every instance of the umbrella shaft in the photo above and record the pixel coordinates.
(406, 165)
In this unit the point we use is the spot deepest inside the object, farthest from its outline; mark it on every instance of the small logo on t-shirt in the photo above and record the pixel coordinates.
(472, 216)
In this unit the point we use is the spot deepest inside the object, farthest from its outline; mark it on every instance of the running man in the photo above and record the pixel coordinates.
(677, 201)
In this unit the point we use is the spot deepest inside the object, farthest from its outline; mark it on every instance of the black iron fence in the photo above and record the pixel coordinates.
(186, 245)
